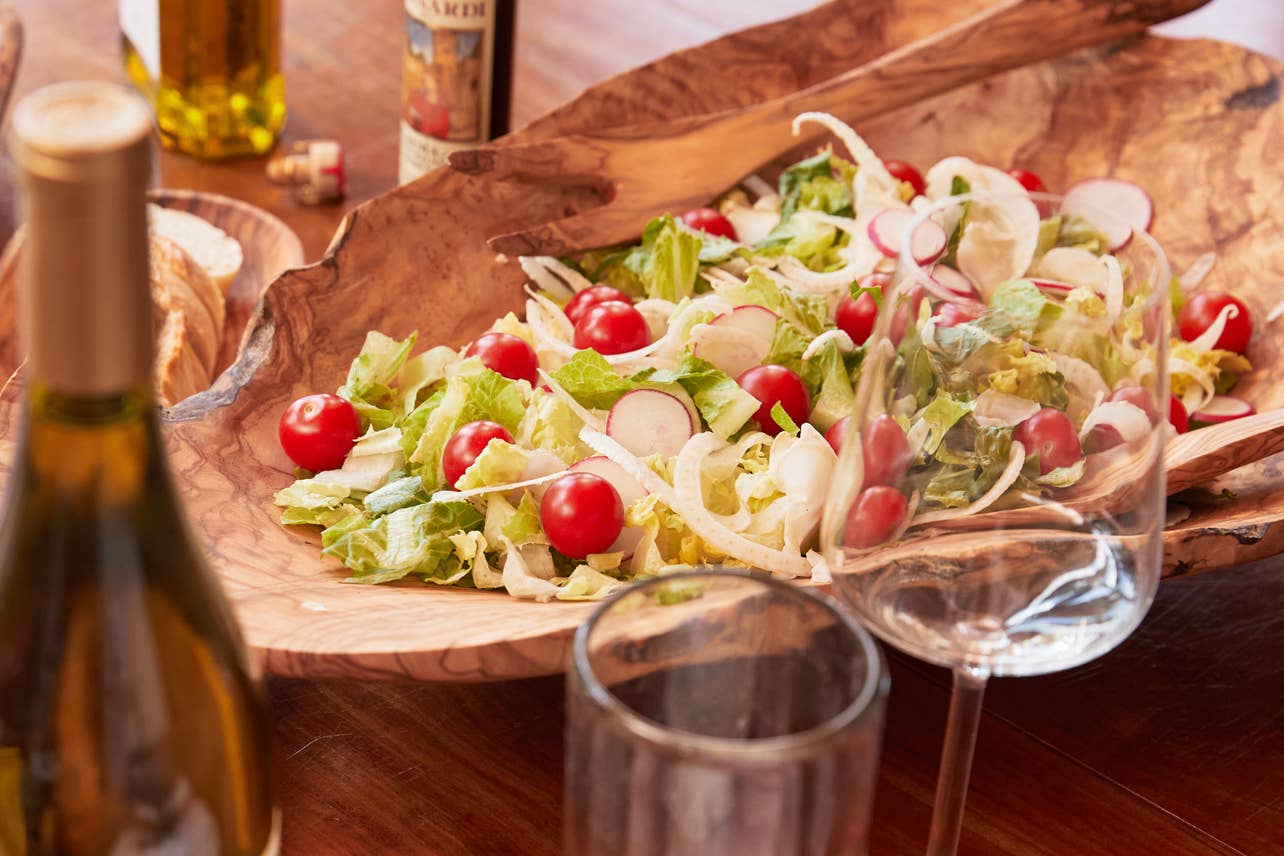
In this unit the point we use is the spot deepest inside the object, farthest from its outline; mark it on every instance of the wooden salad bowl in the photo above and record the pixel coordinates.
(1198, 123)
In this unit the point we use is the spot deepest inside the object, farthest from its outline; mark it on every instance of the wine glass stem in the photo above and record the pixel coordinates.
(956, 761)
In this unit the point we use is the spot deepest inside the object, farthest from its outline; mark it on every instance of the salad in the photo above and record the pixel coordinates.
(680, 401)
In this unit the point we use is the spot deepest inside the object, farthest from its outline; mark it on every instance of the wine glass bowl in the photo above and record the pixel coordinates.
(998, 504)
(1011, 560)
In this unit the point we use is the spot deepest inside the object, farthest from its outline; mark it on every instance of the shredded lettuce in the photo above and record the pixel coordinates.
(810, 184)
(414, 540)
(668, 262)
(371, 374)
(473, 392)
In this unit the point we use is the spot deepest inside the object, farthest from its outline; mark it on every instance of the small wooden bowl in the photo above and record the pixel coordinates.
(270, 249)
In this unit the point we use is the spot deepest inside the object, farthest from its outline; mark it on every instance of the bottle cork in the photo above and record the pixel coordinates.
(313, 169)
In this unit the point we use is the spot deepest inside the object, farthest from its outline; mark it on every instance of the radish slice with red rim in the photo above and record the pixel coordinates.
(648, 421)
(1223, 408)
(1053, 287)
(887, 228)
(1114, 206)
(956, 283)
(758, 320)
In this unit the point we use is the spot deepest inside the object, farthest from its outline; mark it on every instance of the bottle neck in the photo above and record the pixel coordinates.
(99, 451)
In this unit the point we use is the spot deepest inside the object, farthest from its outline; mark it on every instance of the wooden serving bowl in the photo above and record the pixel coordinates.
(1197, 123)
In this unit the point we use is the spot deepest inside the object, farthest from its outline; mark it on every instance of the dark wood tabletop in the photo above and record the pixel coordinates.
(1172, 744)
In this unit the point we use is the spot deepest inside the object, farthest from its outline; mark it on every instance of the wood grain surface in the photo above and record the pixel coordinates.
(416, 259)
(1168, 745)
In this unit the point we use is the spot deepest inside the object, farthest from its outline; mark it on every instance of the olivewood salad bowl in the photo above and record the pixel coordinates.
(1199, 124)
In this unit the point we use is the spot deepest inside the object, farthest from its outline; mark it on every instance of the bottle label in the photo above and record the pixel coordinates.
(140, 22)
(446, 81)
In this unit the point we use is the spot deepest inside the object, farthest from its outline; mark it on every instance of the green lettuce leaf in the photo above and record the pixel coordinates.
(370, 377)
(941, 415)
(421, 372)
(810, 184)
(783, 419)
(310, 502)
(498, 463)
(586, 583)
(668, 261)
(523, 526)
(591, 380)
(1023, 305)
(836, 395)
(550, 424)
(806, 239)
(473, 392)
(414, 540)
(396, 495)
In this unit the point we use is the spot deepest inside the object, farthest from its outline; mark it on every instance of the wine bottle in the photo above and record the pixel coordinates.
(129, 723)
(457, 70)
(212, 70)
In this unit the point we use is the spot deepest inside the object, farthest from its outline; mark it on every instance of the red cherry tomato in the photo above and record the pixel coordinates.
(1202, 310)
(612, 328)
(953, 314)
(506, 354)
(710, 221)
(591, 297)
(770, 384)
(1049, 434)
(1177, 415)
(466, 444)
(886, 451)
(837, 433)
(877, 513)
(1029, 180)
(856, 317)
(581, 514)
(902, 171)
(317, 431)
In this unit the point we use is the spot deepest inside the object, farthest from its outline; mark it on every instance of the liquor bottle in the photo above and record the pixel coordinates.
(128, 720)
(456, 87)
(212, 71)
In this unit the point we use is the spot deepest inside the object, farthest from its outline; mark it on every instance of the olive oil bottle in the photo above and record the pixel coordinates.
(212, 70)
(128, 720)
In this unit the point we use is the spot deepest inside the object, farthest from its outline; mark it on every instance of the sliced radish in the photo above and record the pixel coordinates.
(1074, 267)
(758, 320)
(1053, 287)
(648, 421)
(1119, 205)
(729, 349)
(888, 226)
(954, 282)
(1223, 408)
(752, 224)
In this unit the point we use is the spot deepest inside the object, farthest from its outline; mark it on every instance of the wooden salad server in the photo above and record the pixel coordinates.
(643, 170)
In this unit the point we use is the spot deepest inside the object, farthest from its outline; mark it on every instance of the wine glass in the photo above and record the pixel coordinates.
(999, 499)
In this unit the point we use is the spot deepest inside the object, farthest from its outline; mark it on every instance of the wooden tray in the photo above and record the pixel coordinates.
(1198, 123)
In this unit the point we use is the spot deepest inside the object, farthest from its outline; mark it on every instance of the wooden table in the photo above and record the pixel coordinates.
(1171, 744)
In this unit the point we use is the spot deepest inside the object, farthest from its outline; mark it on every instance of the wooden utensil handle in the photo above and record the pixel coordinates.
(1012, 34)
(1198, 457)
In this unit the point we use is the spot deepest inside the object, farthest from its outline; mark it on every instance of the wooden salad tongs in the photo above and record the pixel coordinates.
(643, 170)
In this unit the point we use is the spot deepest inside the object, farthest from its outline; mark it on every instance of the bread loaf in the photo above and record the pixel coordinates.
(188, 313)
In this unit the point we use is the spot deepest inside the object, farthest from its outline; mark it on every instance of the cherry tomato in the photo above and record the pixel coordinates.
(953, 314)
(1177, 415)
(901, 171)
(1049, 434)
(612, 328)
(710, 221)
(506, 354)
(466, 444)
(837, 433)
(856, 317)
(886, 451)
(317, 431)
(1103, 437)
(1202, 310)
(1029, 180)
(877, 513)
(770, 384)
(591, 297)
(581, 514)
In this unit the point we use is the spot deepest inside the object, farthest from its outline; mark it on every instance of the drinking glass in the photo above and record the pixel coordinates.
(718, 713)
(958, 531)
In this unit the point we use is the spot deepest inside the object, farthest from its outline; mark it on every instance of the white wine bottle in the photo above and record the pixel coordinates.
(129, 723)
